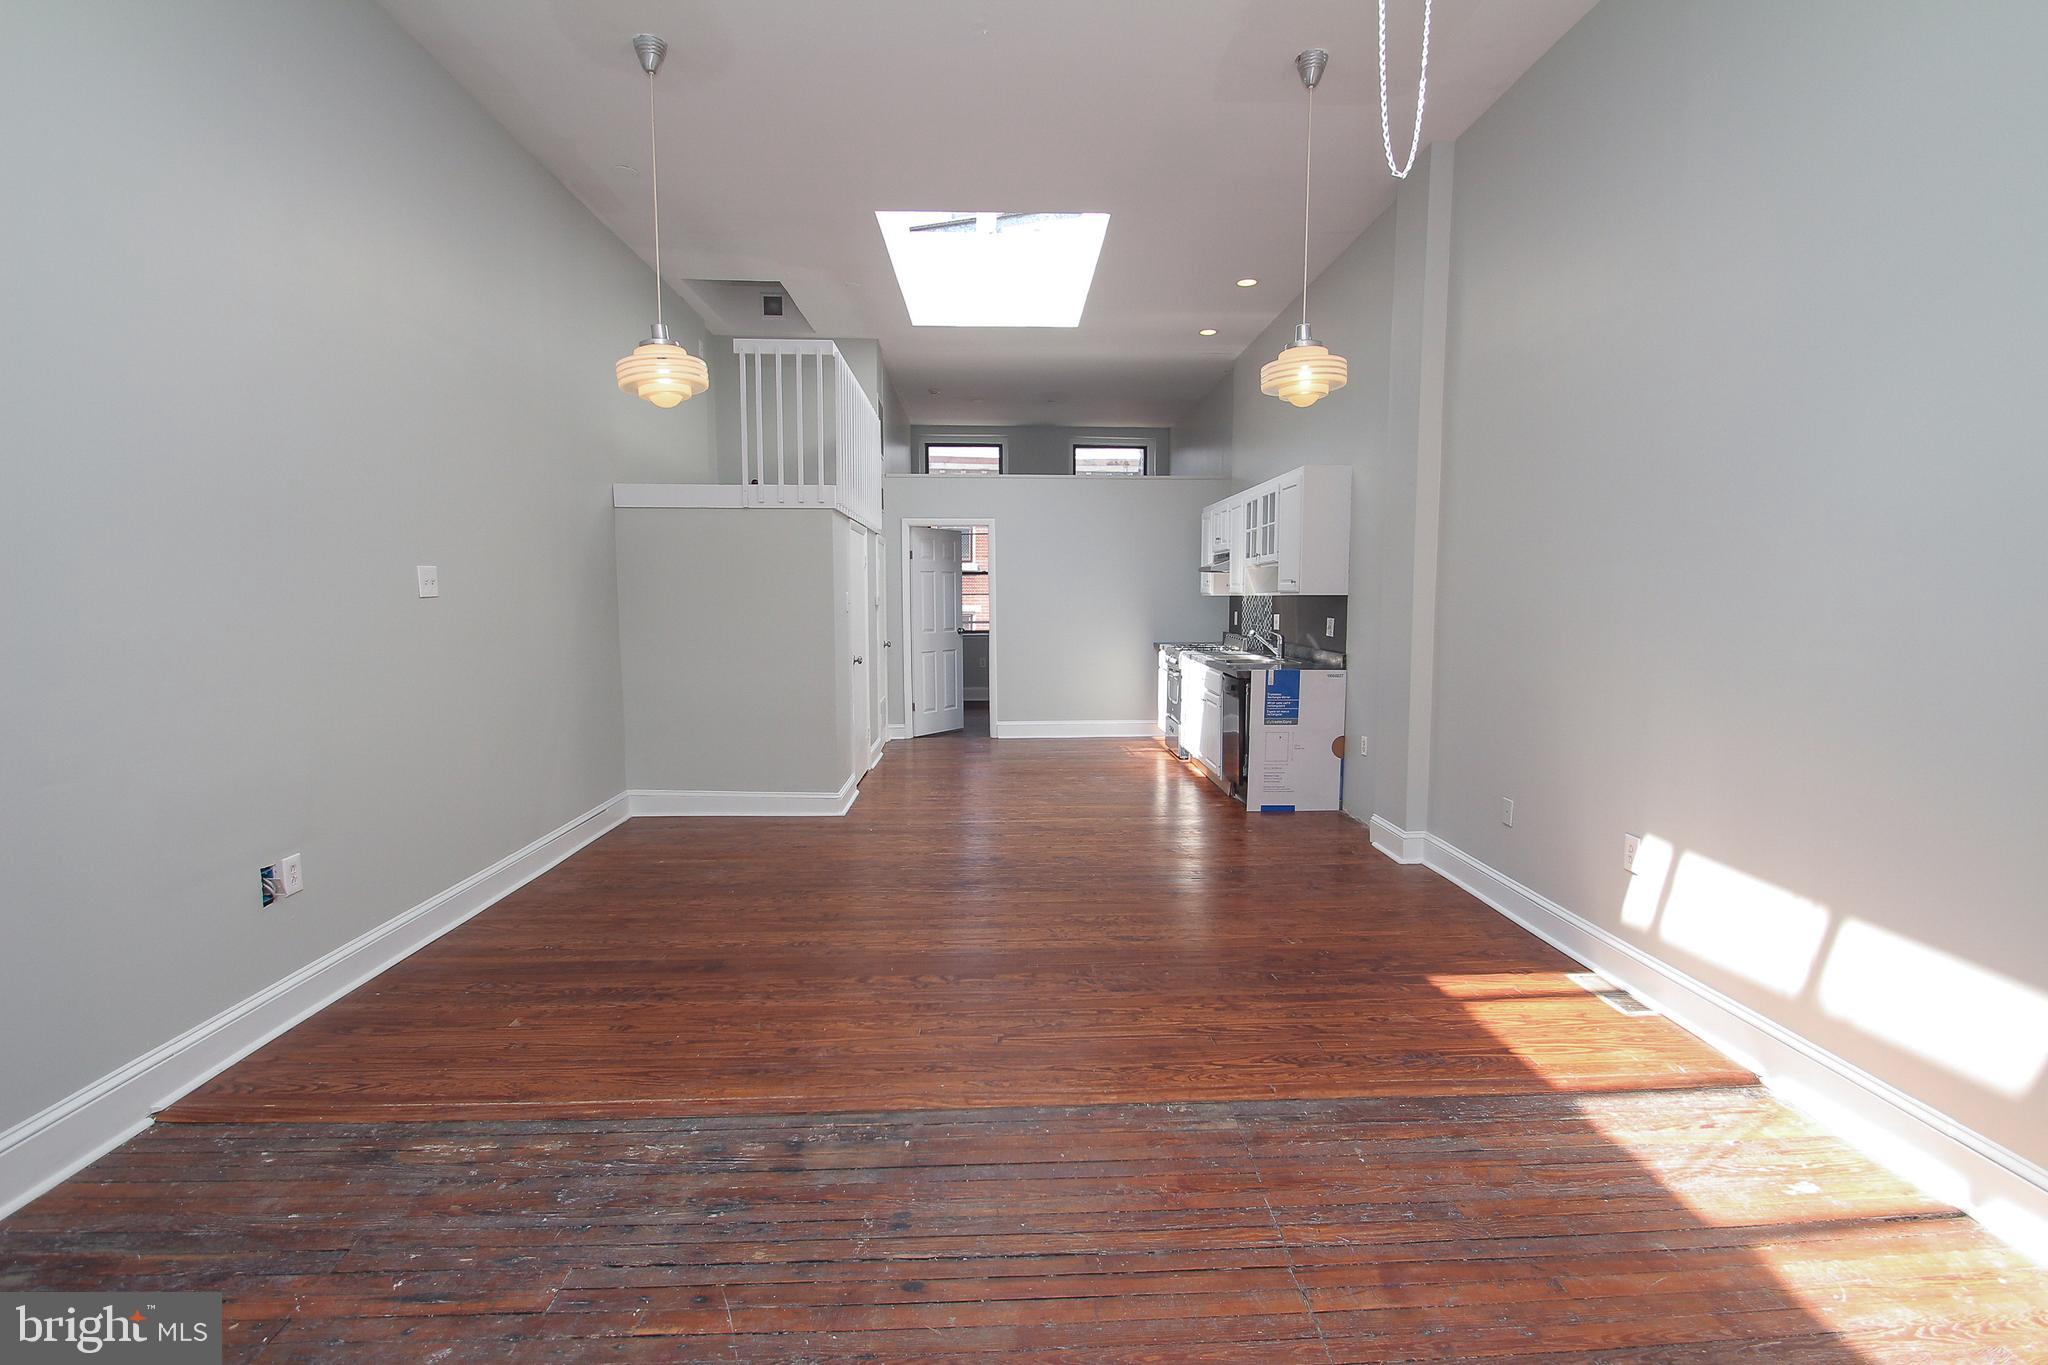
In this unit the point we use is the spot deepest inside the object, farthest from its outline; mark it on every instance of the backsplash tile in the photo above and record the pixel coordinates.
(1303, 622)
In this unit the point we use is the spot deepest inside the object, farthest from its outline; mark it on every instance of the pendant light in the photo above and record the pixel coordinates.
(658, 370)
(1306, 371)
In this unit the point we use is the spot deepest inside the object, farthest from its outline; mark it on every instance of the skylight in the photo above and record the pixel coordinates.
(984, 269)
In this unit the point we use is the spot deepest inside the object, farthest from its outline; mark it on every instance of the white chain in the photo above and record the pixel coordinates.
(1421, 94)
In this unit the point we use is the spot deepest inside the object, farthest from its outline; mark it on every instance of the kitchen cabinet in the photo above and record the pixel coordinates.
(1289, 536)
(1261, 525)
(1289, 513)
(1215, 533)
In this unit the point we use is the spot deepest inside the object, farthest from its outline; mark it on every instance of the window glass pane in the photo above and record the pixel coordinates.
(974, 613)
(1109, 459)
(962, 459)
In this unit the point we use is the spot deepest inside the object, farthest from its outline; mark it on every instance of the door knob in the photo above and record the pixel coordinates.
(857, 659)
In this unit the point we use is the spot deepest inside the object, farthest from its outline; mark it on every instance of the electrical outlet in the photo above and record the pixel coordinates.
(1364, 746)
(293, 876)
(1330, 626)
(1507, 812)
(1630, 845)
(430, 580)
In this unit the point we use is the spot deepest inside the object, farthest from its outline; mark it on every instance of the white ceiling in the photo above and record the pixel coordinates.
(786, 123)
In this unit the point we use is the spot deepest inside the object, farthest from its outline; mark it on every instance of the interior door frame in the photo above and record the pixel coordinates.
(994, 643)
(875, 588)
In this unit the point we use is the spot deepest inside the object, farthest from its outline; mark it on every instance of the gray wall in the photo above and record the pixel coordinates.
(685, 451)
(1047, 449)
(1087, 574)
(1744, 479)
(1353, 310)
(896, 453)
(974, 664)
(731, 633)
(287, 315)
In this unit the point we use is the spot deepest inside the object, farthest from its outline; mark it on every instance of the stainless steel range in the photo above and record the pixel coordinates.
(1168, 652)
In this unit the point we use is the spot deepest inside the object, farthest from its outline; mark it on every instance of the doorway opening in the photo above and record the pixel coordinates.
(949, 607)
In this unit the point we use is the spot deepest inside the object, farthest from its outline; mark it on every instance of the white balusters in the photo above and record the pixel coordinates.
(847, 448)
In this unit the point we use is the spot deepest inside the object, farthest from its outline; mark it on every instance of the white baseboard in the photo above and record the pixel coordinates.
(2003, 1190)
(745, 803)
(898, 731)
(875, 754)
(49, 1147)
(1074, 729)
(1402, 845)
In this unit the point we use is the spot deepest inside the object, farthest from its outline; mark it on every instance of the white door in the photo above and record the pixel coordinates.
(878, 646)
(854, 600)
(935, 665)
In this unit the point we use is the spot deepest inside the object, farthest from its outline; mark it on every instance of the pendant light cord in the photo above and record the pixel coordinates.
(654, 178)
(1421, 94)
(1308, 180)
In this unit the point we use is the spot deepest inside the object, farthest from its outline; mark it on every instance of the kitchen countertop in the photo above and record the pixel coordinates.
(1237, 665)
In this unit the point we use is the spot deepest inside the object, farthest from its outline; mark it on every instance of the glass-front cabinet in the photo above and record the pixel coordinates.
(1261, 517)
(1290, 535)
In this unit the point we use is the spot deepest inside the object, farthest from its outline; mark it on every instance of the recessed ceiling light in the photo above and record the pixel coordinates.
(1246, 283)
(986, 269)
(1208, 331)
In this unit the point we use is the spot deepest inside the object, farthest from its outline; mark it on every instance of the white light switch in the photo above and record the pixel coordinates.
(430, 581)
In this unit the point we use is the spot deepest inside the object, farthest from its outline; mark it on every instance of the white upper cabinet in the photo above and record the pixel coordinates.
(1215, 533)
(1288, 536)
(1288, 555)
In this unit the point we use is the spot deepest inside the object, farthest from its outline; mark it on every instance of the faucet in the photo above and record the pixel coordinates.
(1272, 642)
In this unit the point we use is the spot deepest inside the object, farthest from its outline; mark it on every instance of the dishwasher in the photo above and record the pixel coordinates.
(1212, 723)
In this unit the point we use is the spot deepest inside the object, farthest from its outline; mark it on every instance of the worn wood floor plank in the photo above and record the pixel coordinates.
(1026, 1059)
(994, 924)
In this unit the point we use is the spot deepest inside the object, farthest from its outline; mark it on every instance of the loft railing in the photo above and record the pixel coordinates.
(809, 437)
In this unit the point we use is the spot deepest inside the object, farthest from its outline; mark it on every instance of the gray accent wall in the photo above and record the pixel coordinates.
(731, 630)
(974, 664)
(1087, 573)
(1369, 307)
(1743, 483)
(1048, 449)
(288, 315)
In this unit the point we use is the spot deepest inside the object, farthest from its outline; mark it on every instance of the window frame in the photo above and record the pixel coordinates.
(1144, 449)
(1002, 449)
(968, 557)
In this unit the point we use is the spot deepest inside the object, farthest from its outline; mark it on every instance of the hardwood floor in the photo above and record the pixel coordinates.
(1017, 923)
(1042, 1051)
